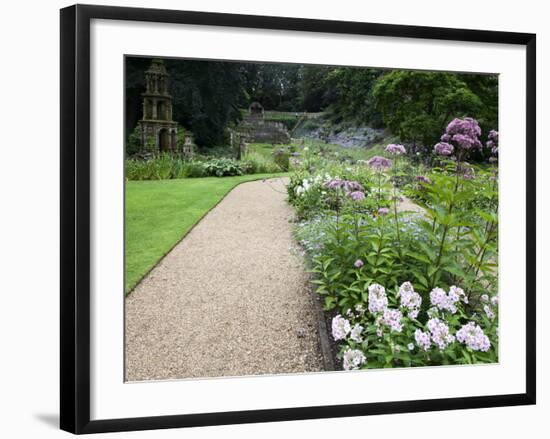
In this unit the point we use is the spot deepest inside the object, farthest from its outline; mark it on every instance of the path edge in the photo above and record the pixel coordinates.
(126, 294)
(324, 337)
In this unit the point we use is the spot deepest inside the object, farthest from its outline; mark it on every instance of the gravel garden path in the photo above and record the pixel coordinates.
(230, 299)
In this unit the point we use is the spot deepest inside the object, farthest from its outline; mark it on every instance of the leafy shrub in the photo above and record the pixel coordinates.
(281, 157)
(133, 145)
(188, 169)
(256, 163)
(167, 166)
(158, 168)
(222, 167)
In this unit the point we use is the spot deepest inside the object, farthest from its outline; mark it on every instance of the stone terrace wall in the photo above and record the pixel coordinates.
(258, 130)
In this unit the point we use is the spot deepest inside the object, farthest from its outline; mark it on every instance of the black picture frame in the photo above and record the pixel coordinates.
(75, 218)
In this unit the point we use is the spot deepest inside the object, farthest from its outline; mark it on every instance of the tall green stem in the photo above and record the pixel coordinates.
(379, 188)
(395, 211)
(446, 226)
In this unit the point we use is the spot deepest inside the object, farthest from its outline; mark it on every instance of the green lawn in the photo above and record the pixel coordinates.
(263, 149)
(159, 213)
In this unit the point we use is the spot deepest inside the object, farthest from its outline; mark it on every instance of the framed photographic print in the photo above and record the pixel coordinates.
(258, 213)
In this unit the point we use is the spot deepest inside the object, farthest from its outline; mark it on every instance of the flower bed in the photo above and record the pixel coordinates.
(406, 288)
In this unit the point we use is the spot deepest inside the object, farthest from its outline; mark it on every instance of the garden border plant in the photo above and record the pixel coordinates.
(433, 275)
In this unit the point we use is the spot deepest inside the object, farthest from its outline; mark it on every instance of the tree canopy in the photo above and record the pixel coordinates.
(414, 105)
(418, 105)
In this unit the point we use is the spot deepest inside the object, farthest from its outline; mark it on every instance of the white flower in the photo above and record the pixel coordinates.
(444, 301)
(410, 299)
(353, 359)
(440, 334)
(378, 301)
(355, 334)
(410, 346)
(472, 336)
(340, 327)
(489, 312)
(456, 292)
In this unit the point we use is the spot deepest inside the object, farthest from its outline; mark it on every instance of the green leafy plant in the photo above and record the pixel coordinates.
(222, 167)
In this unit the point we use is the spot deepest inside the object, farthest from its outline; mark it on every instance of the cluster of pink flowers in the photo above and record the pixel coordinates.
(447, 302)
(464, 133)
(378, 301)
(492, 143)
(351, 188)
(340, 327)
(357, 195)
(460, 133)
(395, 149)
(353, 359)
(358, 263)
(473, 336)
(346, 185)
(439, 332)
(392, 319)
(443, 148)
(383, 211)
(379, 163)
(422, 339)
(410, 299)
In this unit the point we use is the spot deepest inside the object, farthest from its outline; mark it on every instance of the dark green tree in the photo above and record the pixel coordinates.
(486, 88)
(275, 86)
(206, 96)
(354, 99)
(418, 105)
(315, 91)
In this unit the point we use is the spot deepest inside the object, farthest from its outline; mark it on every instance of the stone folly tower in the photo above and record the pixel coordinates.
(158, 130)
